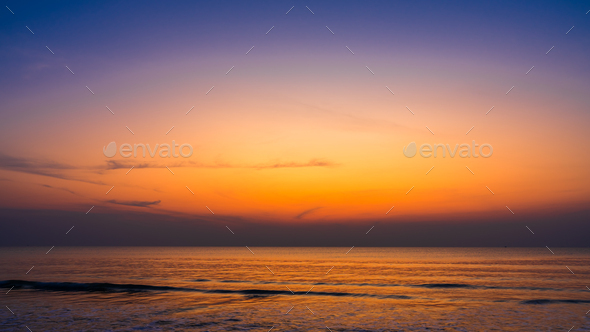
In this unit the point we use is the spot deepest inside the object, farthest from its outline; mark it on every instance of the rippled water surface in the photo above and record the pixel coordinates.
(294, 289)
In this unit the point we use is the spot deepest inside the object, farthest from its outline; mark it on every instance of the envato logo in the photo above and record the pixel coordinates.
(126, 150)
(465, 150)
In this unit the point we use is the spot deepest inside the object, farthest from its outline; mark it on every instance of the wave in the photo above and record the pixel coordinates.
(86, 287)
(549, 301)
(135, 288)
(138, 288)
(433, 285)
(445, 286)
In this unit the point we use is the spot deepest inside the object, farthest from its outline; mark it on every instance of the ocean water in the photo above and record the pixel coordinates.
(294, 289)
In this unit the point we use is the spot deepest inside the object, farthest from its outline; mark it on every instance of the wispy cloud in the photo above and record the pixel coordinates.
(293, 164)
(316, 162)
(135, 203)
(59, 188)
(24, 163)
(351, 122)
(126, 164)
(306, 212)
(40, 167)
(63, 171)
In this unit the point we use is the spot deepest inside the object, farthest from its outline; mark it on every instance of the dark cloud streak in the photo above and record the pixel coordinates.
(40, 167)
(58, 188)
(127, 164)
(306, 212)
(135, 203)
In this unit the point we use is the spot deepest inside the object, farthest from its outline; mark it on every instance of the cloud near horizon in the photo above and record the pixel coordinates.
(134, 203)
(315, 162)
(104, 226)
(306, 212)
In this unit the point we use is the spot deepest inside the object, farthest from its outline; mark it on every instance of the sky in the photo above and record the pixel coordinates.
(297, 114)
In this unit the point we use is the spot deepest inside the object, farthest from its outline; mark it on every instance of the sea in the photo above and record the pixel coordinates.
(294, 289)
